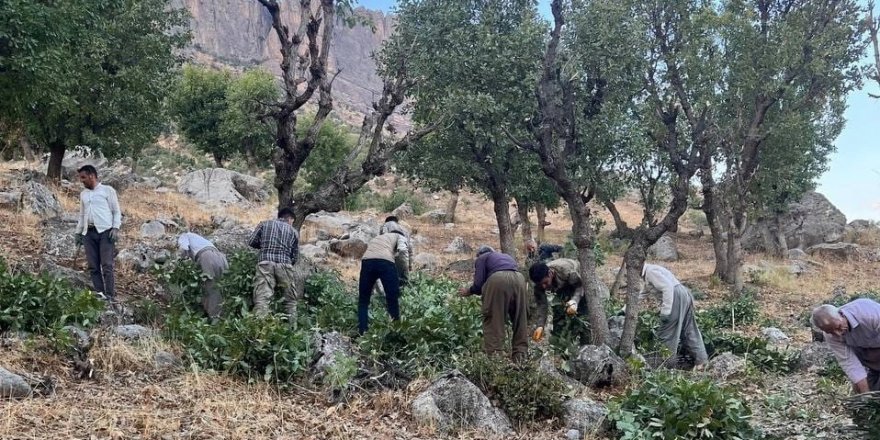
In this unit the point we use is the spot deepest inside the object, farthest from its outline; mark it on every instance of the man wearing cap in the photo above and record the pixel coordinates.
(562, 277)
(503, 291)
(97, 229)
(212, 262)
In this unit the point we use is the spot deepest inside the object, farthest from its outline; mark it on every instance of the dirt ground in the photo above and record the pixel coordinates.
(130, 401)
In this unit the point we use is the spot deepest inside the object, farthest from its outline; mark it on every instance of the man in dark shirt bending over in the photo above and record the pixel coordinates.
(503, 289)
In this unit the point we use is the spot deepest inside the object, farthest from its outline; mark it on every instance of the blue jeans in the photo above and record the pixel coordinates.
(372, 270)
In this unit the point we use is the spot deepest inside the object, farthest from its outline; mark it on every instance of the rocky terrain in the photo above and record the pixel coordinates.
(140, 386)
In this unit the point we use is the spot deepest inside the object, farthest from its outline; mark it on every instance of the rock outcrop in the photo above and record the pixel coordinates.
(454, 402)
(812, 220)
(219, 186)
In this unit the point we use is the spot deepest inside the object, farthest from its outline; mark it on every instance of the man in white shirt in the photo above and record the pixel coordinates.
(98, 229)
(677, 322)
(212, 262)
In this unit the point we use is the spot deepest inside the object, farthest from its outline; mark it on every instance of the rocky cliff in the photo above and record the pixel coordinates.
(238, 33)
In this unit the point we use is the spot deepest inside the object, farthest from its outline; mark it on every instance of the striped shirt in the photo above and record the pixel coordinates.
(277, 241)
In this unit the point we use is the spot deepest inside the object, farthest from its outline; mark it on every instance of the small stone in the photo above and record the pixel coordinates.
(132, 331)
(427, 262)
(458, 246)
(403, 211)
(726, 365)
(13, 386)
(774, 335)
(153, 229)
(573, 434)
(796, 254)
(165, 359)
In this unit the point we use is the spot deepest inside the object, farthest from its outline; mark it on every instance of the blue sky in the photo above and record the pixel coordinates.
(852, 182)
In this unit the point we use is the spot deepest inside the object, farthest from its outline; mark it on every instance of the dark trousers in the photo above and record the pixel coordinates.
(504, 298)
(372, 270)
(100, 253)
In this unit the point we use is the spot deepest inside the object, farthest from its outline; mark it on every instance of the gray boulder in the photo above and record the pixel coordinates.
(334, 223)
(76, 158)
(426, 262)
(349, 248)
(58, 238)
(774, 335)
(437, 216)
(132, 331)
(726, 365)
(796, 254)
(313, 252)
(142, 257)
(584, 415)
(40, 201)
(598, 366)
(166, 360)
(332, 348)
(458, 246)
(219, 186)
(798, 267)
(453, 402)
(403, 211)
(322, 235)
(812, 220)
(835, 251)
(815, 356)
(153, 229)
(664, 249)
(80, 337)
(231, 239)
(361, 231)
(13, 386)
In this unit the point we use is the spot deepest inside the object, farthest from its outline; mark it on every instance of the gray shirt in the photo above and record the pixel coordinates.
(864, 332)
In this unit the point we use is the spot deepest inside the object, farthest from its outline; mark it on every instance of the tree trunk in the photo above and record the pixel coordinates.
(634, 259)
(541, 212)
(218, 160)
(734, 252)
(522, 208)
(501, 205)
(584, 240)
(711, 210)
(26, 149)
(451, 207)
(618, 279)
(56, 155)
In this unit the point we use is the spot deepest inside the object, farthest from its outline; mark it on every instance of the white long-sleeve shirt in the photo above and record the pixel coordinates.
(661, 282)
(98, 207)
(191, 244)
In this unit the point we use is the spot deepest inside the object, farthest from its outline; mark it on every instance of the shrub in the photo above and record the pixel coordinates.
(331, 305)
(400, 196)
(741, 309)
(264, 348)
(865, 412)
(40, 304)
(435, 327)
(755, 349)
(669, 405)
(524, 393)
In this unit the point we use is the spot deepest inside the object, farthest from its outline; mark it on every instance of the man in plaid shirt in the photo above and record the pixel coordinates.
(278, 243)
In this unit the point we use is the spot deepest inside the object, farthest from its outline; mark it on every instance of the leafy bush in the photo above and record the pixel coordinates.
(523, 392)
(865, 412)
(330, 304)
(365, 198)
(435, 327)
(669, 405)
(755, 349)
(264, 348)
(741, 309)
(39, 304)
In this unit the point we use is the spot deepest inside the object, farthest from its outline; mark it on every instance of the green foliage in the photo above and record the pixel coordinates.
(330, 304)
(755, 349)
(89, 72)
(340, 374)
(260, 349)
(39, 304)
(669, 405)
(526, 394)
(365, 198)
(198, 104)
(243, 124)
(333, 145)
(865, 412)
(739, 309)
(436, 327)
